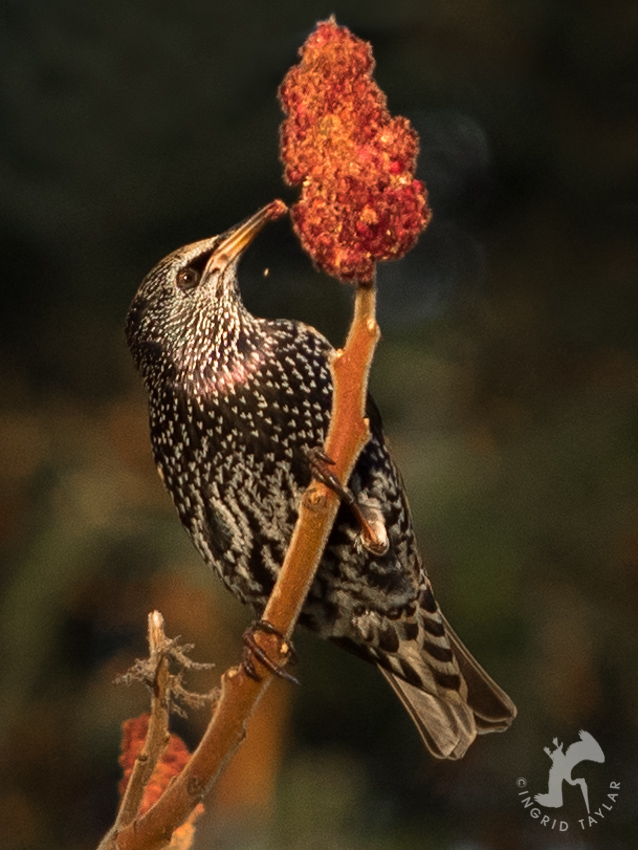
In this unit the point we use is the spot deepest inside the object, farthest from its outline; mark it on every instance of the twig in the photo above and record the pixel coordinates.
(157, 735)
(347, 435)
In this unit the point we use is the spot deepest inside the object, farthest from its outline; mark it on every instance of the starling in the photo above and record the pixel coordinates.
(237, 407)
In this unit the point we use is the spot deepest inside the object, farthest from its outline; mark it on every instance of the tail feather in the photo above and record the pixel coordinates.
(447, 728)
(449, 720)
(493, 710)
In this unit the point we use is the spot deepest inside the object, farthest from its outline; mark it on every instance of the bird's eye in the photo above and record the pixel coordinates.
(188, 279)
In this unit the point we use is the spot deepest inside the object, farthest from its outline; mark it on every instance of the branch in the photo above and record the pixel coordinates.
(157, 735)
(347, 435)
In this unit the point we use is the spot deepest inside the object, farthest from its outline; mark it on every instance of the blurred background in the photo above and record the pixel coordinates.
(507, 377)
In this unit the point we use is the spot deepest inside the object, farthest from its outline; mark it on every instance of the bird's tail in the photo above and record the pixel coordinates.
(450, 720)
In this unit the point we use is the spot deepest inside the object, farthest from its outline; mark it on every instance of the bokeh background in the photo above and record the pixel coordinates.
(507, 376)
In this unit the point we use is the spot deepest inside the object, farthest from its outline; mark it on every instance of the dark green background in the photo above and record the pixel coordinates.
(507, 376)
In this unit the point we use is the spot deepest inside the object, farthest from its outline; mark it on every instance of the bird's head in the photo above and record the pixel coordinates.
(191, 298)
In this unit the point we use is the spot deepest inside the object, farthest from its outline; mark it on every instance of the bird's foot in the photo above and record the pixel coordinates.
(252, 650)
(373, 536)
(320, 464)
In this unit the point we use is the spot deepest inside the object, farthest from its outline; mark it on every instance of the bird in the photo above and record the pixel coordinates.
(238, 406)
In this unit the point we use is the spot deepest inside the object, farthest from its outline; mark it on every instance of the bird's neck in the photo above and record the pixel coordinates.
(226, 353)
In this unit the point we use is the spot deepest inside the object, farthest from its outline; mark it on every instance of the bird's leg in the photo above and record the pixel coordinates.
(252, 650)
(373, 533)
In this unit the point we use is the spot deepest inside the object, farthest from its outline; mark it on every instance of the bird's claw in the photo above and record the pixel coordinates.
(320, 464)
(252, 650)
(373, 535)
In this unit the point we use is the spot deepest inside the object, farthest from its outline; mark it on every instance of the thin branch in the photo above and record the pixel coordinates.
(157, 735)
(347, 435)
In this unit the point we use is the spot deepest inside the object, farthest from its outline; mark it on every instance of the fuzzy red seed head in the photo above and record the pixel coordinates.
(171, 763)
(359, 200)
(173, 760)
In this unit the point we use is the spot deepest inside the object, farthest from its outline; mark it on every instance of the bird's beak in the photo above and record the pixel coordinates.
(240, 237)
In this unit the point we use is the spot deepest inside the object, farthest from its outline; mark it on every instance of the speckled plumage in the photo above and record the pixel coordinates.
(236, 405)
